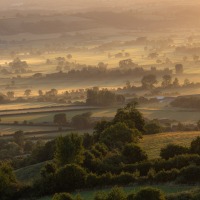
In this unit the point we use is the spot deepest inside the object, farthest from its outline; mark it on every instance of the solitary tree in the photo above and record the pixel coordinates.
(11, 94)
(60, 119)
(69, 56)
(40, 92)
(149, 81)
(176, 83)
(82, 121)
(27, 92)
(179, 69)
(167, 79)
(196, 58)
(19, 138)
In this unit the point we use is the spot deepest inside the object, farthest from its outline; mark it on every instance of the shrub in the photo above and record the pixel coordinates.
(8, 183)
(190, 174)
(195, 146)
(177, 162)
(172, 150)
(70, 177)
(131, 196)
(133, 153)
(100, 196)
(62, 196)
(124, 178)
(151, 174)
(153, 128)
(92, 180)
(181, 196)
(105, 179)
(166, 176)
(116, 194)
(150, 194)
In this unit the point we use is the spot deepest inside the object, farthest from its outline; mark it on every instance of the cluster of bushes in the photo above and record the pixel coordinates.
(119, 194)
(60, 179)
(188, 195)
(178, 162)
(149, 193)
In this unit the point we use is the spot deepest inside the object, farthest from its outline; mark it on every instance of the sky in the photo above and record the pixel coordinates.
(52, 4)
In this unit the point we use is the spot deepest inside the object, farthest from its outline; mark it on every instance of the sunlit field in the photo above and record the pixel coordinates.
(152, 147)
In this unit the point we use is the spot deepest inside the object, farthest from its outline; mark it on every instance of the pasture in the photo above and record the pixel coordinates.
(153, 143)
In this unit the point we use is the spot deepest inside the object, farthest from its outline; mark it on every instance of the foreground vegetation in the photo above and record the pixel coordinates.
(108, 157)
(167, 189)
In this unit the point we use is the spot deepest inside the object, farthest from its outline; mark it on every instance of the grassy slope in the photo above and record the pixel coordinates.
(27, 174)
(153, 143)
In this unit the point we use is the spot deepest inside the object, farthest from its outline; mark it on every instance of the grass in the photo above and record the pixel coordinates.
(6, 130)
(153, 143)
(30, 173)
(167, 189)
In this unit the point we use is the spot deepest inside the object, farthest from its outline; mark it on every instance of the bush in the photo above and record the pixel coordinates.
(70, 177)
(116, 194)
(150, 194)
(195, 146)
(92, 180)
(177, 162)
(62, 196)
(181, 196)
(124, 178)
(142, 167)
(190, 174)
(131, 196)
(133, 153)
(152, 128)
(8, 183)
(173, 150)
(166, 176)
(100, 196)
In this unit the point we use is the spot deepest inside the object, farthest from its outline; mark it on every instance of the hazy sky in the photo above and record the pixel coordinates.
(52, 4)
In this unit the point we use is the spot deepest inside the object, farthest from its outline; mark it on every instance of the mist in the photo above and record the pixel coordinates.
(99, 93)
